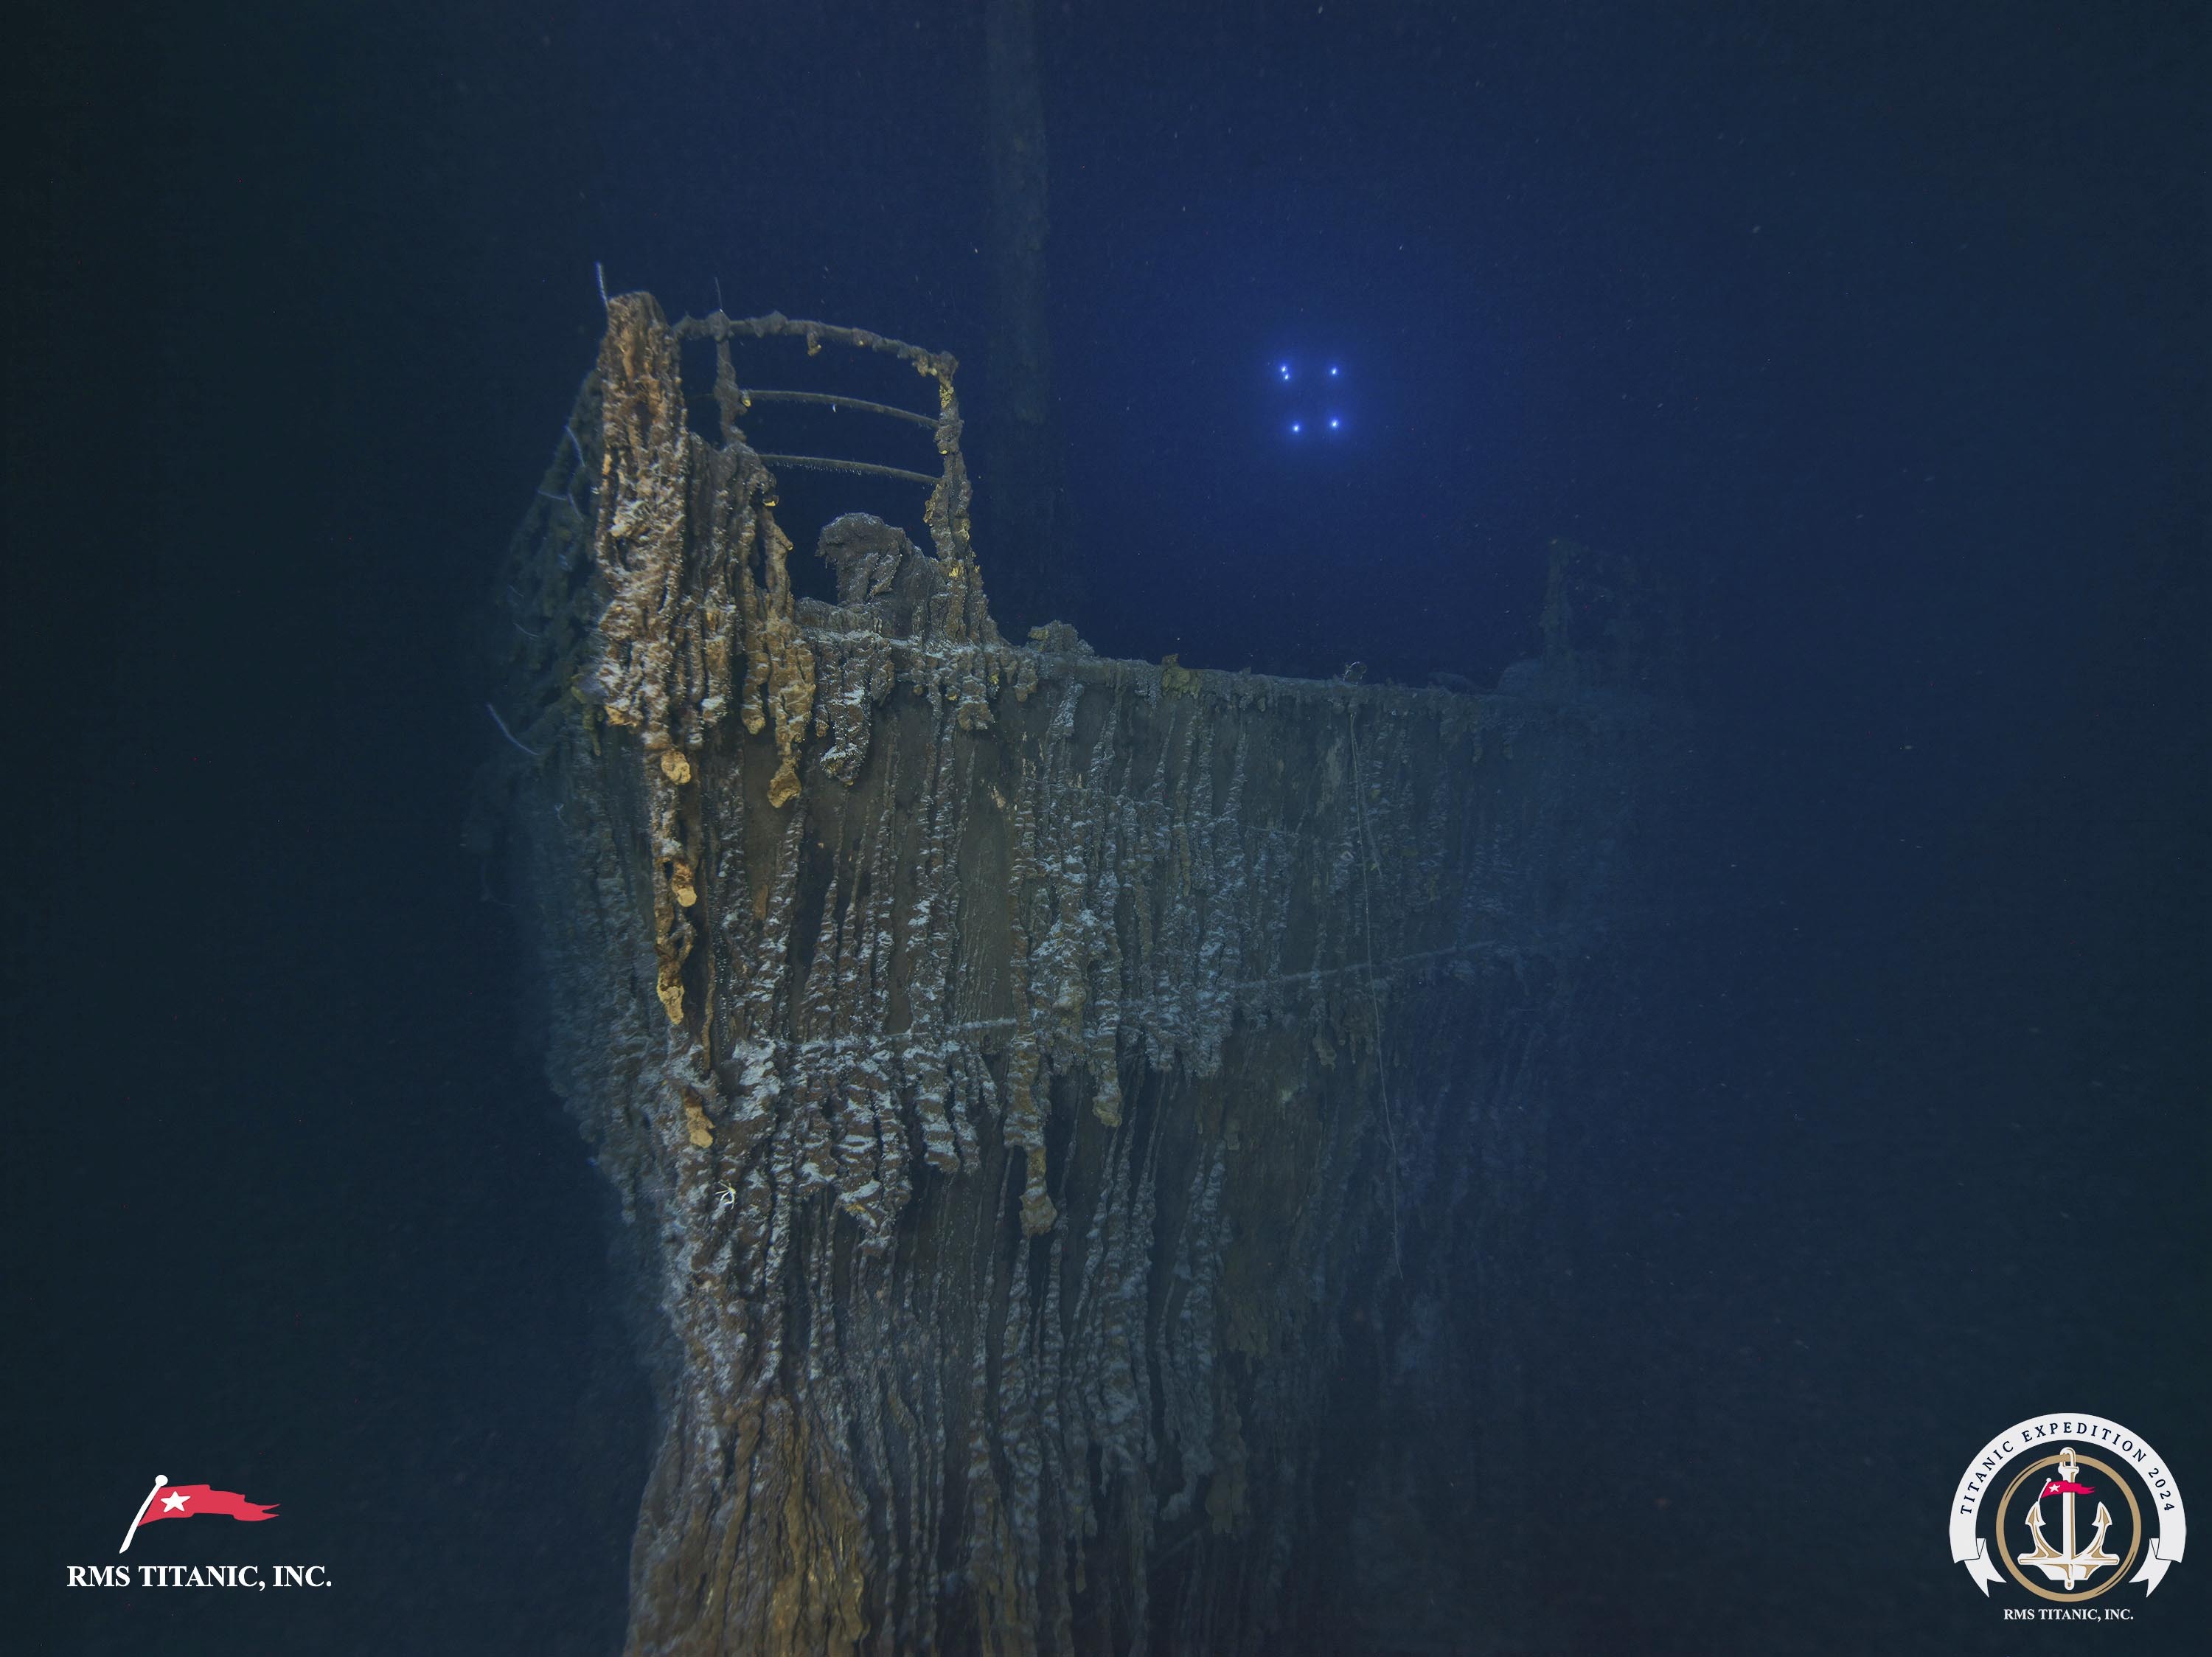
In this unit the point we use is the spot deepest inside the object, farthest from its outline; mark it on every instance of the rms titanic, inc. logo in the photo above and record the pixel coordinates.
(2068, 1507)
(167, 1501)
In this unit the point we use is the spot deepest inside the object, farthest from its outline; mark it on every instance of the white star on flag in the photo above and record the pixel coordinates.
(172, 1505)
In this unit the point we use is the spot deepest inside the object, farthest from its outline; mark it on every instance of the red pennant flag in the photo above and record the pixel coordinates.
(167, 1501)
(2065, 1487)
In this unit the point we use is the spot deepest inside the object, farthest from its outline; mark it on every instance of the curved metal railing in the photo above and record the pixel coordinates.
(946, 511)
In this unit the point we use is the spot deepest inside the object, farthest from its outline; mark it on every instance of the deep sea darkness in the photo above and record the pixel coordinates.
(1880, 329)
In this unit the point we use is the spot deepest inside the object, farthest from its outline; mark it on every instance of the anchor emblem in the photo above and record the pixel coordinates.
(2067, 1565)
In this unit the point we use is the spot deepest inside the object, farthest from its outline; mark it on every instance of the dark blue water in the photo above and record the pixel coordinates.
(1881, 335)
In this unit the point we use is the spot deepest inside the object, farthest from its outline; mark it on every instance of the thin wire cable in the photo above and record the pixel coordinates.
(1370, 858)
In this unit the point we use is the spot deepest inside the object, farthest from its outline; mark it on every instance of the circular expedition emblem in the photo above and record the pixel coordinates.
(2068, 1507)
